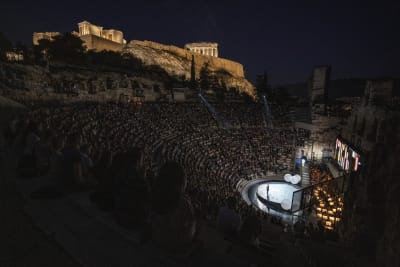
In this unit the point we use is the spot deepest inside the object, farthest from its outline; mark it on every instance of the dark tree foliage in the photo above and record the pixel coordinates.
(262, 87)
(23, 49)
(205, 74)
(112, 59)
(5, 45)
(281, 95)
(193, 81)
(40, 51)
(67, 48)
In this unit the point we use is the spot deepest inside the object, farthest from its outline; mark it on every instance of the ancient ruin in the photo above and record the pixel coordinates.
(203, 48)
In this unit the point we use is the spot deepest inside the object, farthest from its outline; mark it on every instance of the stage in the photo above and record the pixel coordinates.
(274, 196)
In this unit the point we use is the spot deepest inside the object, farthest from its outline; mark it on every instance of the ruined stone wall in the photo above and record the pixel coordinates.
(99, 43)
(68, 84)
(371, 220)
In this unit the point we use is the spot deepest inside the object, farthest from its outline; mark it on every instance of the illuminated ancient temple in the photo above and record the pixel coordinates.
(93, 36)
(204, 48)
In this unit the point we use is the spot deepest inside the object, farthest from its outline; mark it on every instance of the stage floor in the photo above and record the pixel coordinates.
(255, 193)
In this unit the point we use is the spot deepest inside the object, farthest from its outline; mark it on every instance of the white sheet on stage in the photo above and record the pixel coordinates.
(286, 204)
(279, 192)
(294, 179)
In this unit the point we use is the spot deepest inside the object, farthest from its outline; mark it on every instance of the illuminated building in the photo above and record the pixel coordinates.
(203, 48)
(93, 36)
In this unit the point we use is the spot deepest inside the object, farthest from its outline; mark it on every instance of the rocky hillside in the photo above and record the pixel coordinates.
(177, 62)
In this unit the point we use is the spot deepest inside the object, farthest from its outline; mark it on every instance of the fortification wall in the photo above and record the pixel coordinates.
(234, 68)
(99, 43)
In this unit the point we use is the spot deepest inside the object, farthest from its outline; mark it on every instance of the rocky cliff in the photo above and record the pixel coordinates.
(153, 77)
(177, 61)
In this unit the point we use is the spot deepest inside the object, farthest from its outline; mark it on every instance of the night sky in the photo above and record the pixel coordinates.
(360, 41)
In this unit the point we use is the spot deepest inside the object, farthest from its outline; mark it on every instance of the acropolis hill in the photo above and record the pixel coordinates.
(174, 60)
(177, 61)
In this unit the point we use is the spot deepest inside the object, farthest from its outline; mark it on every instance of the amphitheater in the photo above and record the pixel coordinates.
(88, 167)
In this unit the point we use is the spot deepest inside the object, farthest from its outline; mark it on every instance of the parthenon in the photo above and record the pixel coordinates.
(204, 48)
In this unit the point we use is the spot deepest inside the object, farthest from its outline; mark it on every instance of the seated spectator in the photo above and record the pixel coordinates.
(32, 138)
(42, 151)
(250, 231)
(228, 220)
(87, 163)
(27, 163)
(56, 169)
(56, 186)
(173, 221)
(73, 178)
(130, 191)
(102, 171)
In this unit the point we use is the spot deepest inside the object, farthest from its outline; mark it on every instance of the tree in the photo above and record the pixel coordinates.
(193, 82)
(262, 87)
(281, 95)
(41, 50)
(68, 48)
(21, 48)
(5, 45)
(205, 76)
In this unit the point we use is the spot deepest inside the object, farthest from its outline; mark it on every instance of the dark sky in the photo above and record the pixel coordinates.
(358, 40)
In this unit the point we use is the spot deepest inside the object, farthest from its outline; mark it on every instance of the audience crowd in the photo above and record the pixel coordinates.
(166, 168)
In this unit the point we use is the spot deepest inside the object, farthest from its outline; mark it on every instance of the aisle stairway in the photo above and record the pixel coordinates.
(305, 175)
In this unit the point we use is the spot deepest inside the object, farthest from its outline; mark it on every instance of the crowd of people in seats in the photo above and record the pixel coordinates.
(319, 174)
(137, 157)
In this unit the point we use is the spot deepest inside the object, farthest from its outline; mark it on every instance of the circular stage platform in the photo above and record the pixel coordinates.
(274, 196)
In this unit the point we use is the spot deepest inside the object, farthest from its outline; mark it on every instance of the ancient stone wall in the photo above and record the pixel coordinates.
(99, 43)
(69, 84)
